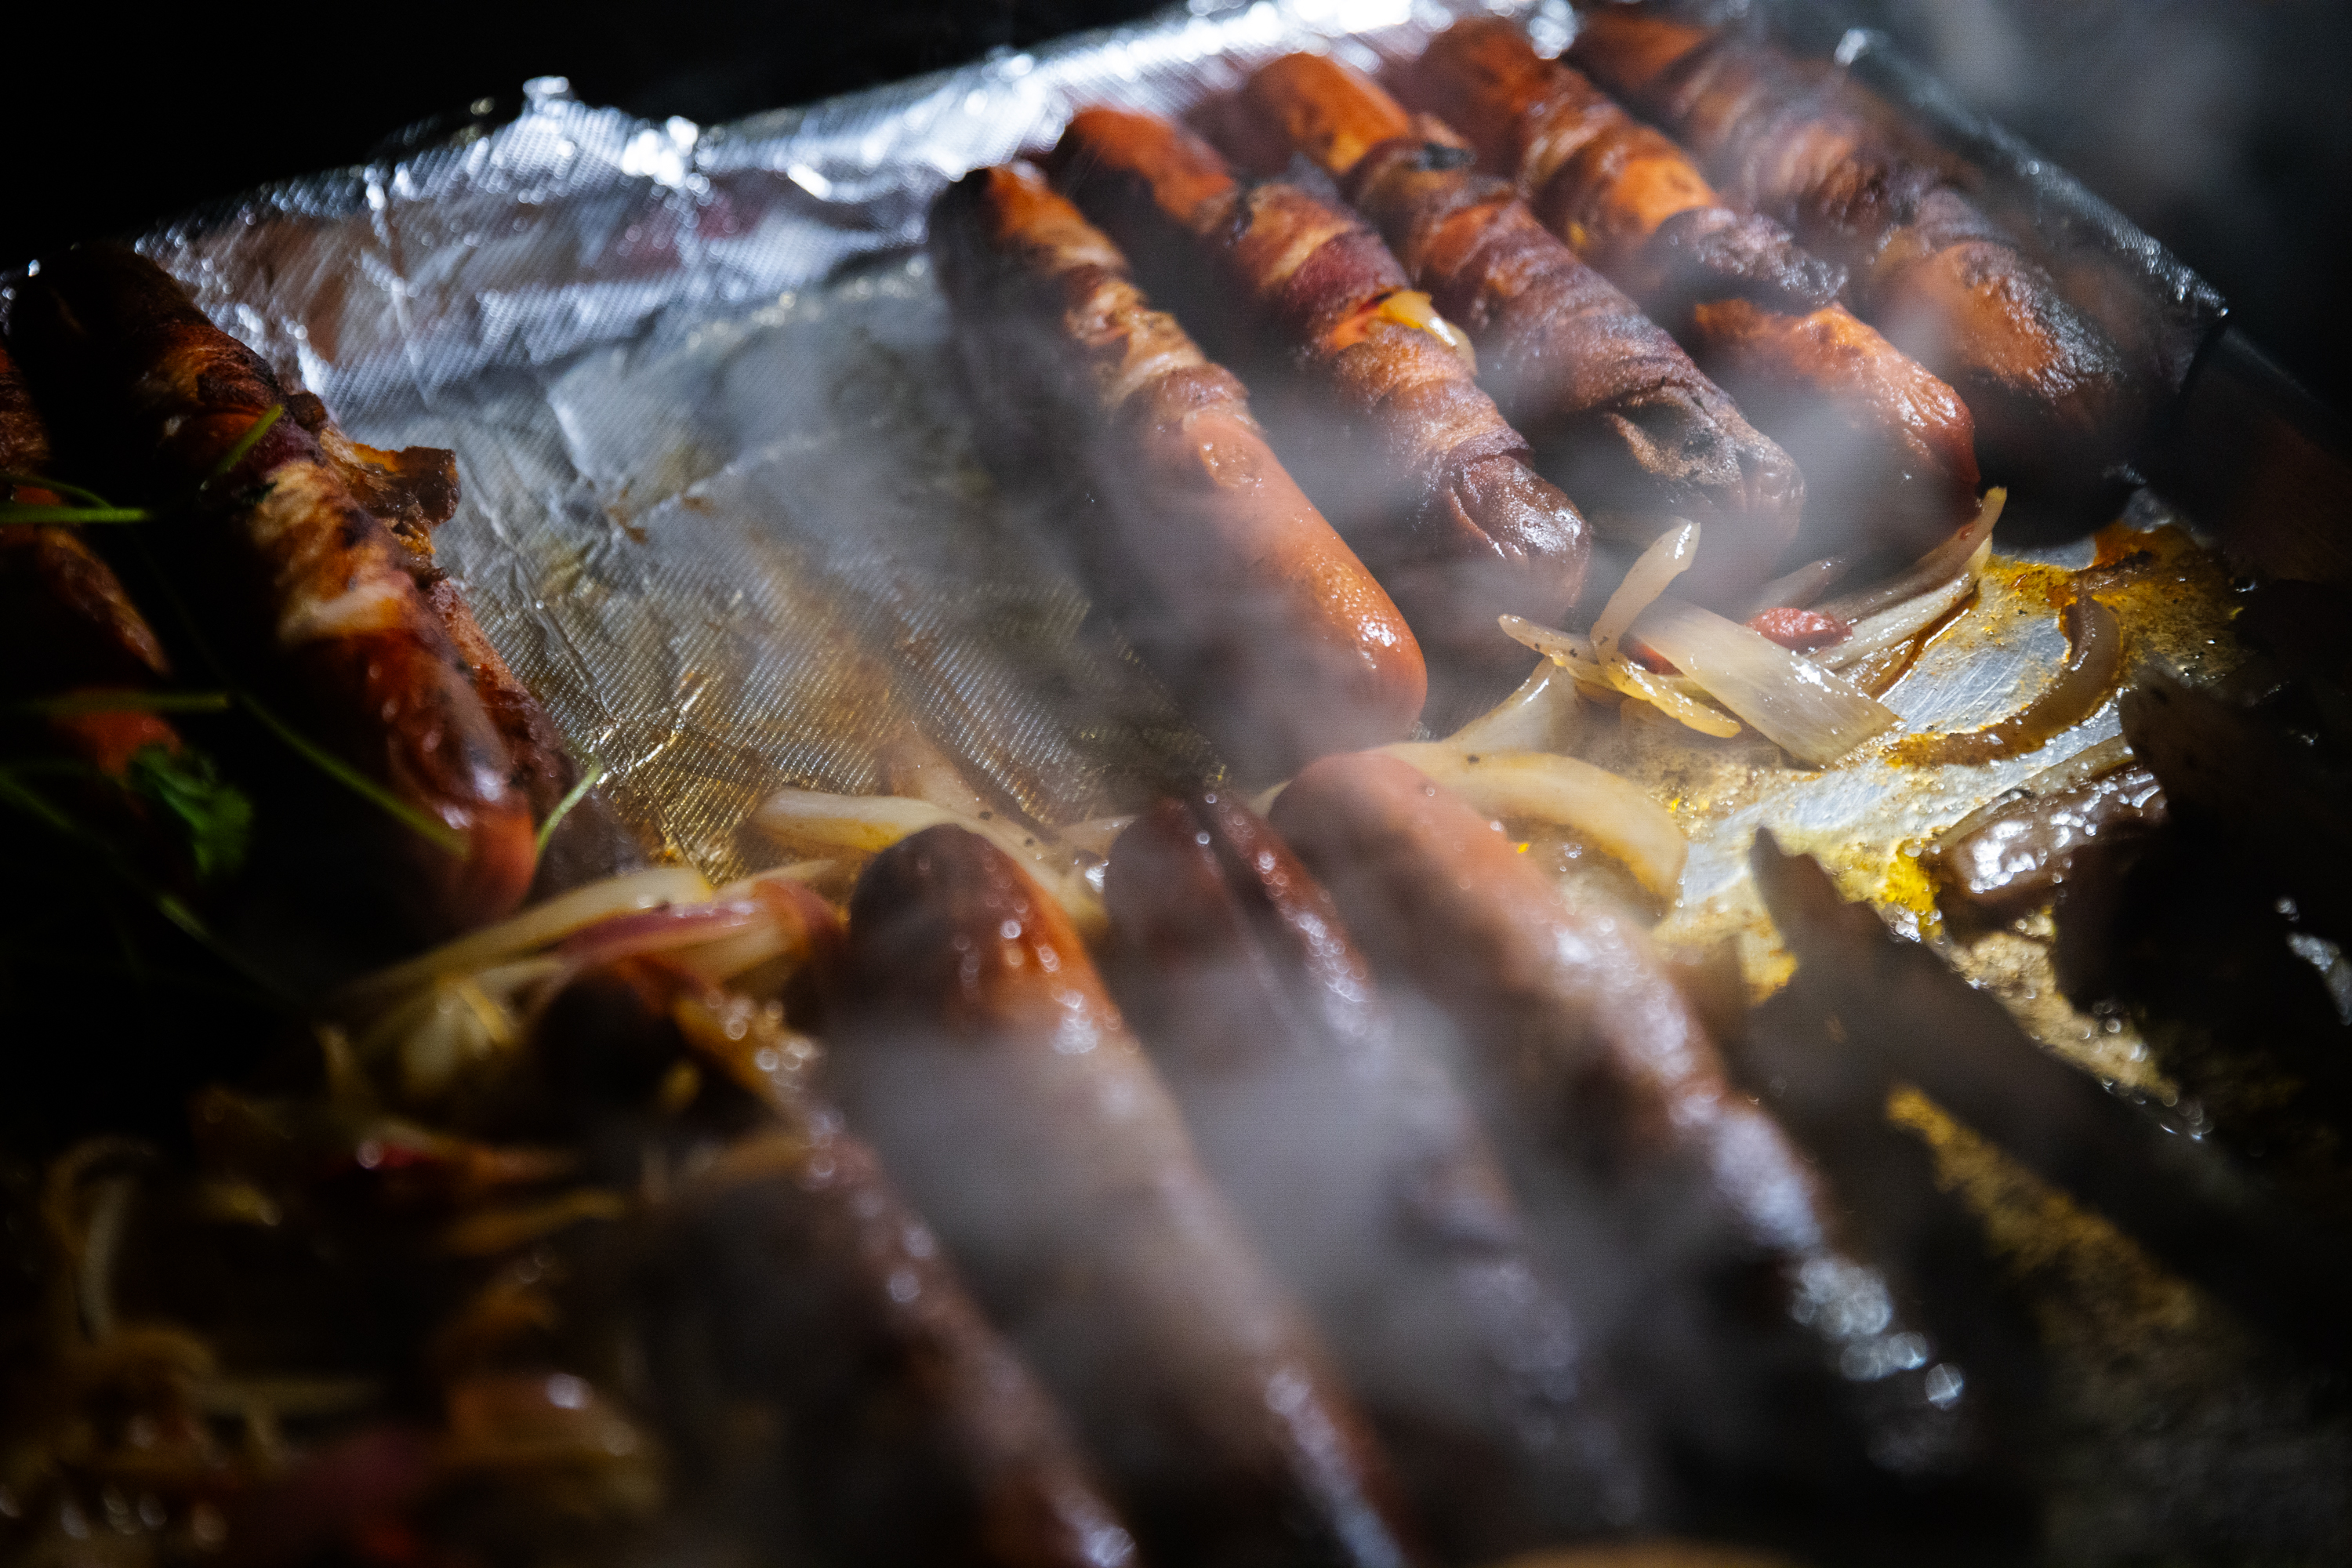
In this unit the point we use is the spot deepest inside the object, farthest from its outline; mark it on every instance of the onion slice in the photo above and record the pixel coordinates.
(1664, 692)
(2094, 651)
(1809, 713)
(1667, 558)
(1542, 715)
(872, 823)
(1939, 565)
(1798, 589)
(533, 928)
(1609, 813)
(1898, 624)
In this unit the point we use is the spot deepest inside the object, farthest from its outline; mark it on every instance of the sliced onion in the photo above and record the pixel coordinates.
(1667, 558)
(1798, 706)
(2094, 653)
(1570, 653)
(662, 930)
(1939, 565)
(1542, 715)
(1799, 589)
(1898, 624)
(872, 823)
(1607, 812)
(533, 928)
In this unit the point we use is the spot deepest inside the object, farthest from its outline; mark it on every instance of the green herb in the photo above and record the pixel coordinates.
(439, 833)
(75, 702)
(74, 516)
(245, 444)
(213, 818)
(589, 776)
(54, 486)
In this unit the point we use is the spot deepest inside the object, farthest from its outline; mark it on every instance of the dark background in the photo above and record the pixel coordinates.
(2223, 127)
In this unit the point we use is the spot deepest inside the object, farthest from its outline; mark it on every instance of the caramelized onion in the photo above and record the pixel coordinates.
(1938, 567)
(1795, 703)
(1667, 558)
(1798, 589)
(1611, 814)
(2093, 653)
(1898, 624)
(1626, 680)
(1542, 715)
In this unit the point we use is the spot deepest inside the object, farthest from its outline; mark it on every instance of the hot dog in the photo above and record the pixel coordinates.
(1616, 413)
(1370, 403)
(1582, 1044)
(1270, 630)
(1350, 1152)
(2055, 408)
(975, 1047)
(301, 590)
(789, 1278)
(1887, 450)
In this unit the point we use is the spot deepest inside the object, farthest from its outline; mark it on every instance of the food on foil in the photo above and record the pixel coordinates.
(1390, 1195)
(1223, 573)
(1347, 1148)
(1888, 450)
(2055, 408)
(1371, 394)
(1617, 415)
(976, 1046)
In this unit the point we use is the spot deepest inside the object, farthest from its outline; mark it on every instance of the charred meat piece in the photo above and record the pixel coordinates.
(976, 1047)
(2019, 855)
(1272, 633)
(1584, 1048)
(1616, 413)
(303, 591)
(1371, 400)
(1348, 1151)
(1909, 1019)
(2056, 412)
(1887, 450)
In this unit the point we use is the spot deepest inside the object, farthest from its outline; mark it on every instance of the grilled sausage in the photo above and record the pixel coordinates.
(832, 1388)
(2055, 408)
(1272, 633)
(1583, 1045)
(1616, 413)
(1888, 450)
(976, 1048)
(301, 589)
(1345, 1147)
(1371, 404)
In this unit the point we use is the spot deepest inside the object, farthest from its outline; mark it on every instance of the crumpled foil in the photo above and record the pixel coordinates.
(723, 511)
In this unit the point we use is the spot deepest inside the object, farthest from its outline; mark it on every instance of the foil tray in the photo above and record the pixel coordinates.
(725, 515)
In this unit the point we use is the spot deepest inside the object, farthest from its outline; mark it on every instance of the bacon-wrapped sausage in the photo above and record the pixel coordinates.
(1269, 629)
(1372, 403)
(2055, 408)
(1617, 414)
(975, 1047)
(829, 1383)
(1583, 1042)
(1345, 1145)
(1887, 450)
(300, 588)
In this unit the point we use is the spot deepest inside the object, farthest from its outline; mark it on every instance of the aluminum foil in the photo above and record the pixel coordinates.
(723, 511)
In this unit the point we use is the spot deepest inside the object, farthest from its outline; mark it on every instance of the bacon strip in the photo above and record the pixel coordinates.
(1617, 414)
(301, 589)
(2055, 408)
(1379, 416)
(1888, 450)
(1269, 630)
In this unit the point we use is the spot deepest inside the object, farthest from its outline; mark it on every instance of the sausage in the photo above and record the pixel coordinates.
(412, 492)
(1616, 413)
(1274, 636)
(975, 1047)
(827, 1381)
(1888, 450)
(301, 590)
(2055, 408)
(1348, 1149)
(1582, 1046)
(1370, 406)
